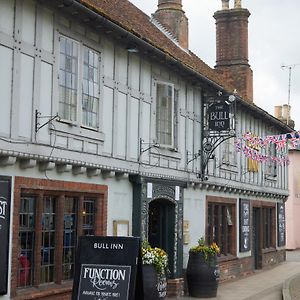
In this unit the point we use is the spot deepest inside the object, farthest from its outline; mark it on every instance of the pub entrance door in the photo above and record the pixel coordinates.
(256, 234)
(161, 229)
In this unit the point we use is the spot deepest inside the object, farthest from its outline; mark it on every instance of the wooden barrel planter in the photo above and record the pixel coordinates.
(155, 286)
(202, 276)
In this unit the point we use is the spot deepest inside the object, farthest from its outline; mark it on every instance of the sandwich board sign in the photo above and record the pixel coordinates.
(106, 268)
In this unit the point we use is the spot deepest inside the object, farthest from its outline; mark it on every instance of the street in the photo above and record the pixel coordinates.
(263, 285)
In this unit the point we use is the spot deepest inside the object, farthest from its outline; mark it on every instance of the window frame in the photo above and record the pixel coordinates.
(228, 156)
(41, 188)
(157, 138)
(80, 76)
(271, 166)
(268, 227)
(231, 241)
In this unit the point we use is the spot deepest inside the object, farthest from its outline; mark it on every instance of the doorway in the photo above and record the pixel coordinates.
(161, 229)
(256, 238)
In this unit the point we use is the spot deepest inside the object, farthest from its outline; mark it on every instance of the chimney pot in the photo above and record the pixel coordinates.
(225, 4)
(278, 111)
(171, 15)
(237, 3)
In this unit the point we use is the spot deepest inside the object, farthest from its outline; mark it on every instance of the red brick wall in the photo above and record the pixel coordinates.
(235, 268)
(272, 258)
(171, 15)
(38, 187)
(232, 50)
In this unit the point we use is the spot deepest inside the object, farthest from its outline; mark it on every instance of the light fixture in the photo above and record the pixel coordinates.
(132, 49)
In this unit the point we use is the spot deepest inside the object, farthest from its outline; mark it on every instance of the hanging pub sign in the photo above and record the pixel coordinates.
(280, 224)
(4, 231)
(244, 225)
(106, 269)
(218, 117)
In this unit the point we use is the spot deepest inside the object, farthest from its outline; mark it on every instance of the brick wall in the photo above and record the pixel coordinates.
(175, 287)
(171, 15)
(235, 268)
(232, 50)
(272, 258)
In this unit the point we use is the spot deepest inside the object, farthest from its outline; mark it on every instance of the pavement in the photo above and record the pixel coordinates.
(263, 284)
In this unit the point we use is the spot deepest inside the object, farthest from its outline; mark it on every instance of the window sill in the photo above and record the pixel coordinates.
(166, 151)
(79, 131)
(268, 250)
(44, 291)
(271, 177)
(225, 258)
(226, 166)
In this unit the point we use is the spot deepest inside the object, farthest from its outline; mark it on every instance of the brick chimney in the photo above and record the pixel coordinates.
(171, 15)
(283, 113)
(232, 47)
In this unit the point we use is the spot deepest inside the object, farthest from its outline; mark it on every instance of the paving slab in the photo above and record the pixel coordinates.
(262, 285)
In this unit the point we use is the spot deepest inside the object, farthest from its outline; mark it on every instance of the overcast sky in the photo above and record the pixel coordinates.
(274, 40)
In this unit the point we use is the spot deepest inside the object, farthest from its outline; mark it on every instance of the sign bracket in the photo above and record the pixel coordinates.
(219, 125)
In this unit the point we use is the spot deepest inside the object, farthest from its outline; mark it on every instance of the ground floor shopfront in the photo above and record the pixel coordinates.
(46, 216)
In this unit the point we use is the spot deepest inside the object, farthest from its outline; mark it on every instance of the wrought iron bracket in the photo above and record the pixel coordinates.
(217, 111)
(38, 117)
(210, 144)
(150, 145)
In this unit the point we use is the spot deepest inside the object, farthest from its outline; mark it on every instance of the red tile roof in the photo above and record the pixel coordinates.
(132, 19)
(128, 16)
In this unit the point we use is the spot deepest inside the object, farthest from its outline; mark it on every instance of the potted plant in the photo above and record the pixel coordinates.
(202, 270)
(155, 268)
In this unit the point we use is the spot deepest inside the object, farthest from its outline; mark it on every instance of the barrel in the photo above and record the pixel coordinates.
(155, 286)
(202, 276)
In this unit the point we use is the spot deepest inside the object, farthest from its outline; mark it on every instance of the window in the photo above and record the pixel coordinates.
(69, 242)
(221, 222)
(271, 166)
(57, 213)
(229, 156)
(68, 79)
(268, 216)
(71, 73)
(26, 241)
(48, 240)
(88, 216)
(165, 114)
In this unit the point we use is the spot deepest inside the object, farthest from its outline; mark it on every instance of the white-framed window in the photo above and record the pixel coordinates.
(271, 166)
(229, 156)
(165, 114)
(78, 83)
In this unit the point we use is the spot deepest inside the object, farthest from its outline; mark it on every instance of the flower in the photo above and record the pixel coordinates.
(156, 257)
(207, 250)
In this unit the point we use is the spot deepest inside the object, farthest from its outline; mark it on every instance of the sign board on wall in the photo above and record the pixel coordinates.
(5, 184)
(244, 225)
(280, 224)
(218, 117)
(106, 268)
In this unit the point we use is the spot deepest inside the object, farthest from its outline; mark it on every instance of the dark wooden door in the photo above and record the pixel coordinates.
(256, 234)
(161, 231)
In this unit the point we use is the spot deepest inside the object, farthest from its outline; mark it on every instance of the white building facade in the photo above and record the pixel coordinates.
(101, 138)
